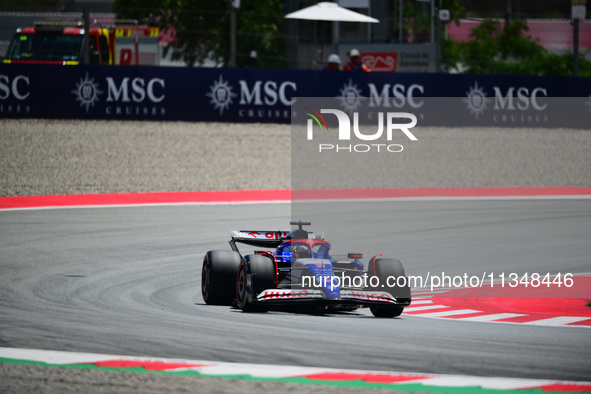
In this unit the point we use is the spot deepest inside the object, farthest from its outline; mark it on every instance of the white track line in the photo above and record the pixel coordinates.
(424, 308)
(493, 317)
(448, 313)
(558, 321)
(420, 302)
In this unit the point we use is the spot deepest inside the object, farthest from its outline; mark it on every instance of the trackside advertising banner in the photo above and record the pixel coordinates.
(254, 95)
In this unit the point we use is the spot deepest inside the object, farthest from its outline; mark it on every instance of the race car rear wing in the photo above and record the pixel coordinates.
(264, 239)
(267, 239)
(271, 239)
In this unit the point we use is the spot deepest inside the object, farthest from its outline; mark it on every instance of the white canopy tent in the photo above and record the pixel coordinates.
(326, 11)
(330, 12)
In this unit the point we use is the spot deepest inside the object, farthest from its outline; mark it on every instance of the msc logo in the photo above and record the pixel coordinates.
(344, 130)
(516, 104)
(350, 97)
(221, 95)
(256, 101)
(127, 97)
(11, 89)
(477, 100)
(17, 88)
(87, 92)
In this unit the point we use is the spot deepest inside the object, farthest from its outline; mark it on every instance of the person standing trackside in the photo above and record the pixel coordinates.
(333, 63)
(355, 63)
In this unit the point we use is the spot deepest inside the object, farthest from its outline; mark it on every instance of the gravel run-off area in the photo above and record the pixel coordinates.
(55, 157)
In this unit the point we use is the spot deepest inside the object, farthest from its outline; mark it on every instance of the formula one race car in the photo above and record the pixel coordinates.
(301, 272)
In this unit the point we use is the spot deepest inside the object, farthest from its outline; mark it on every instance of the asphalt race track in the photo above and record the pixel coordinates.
(125, 280)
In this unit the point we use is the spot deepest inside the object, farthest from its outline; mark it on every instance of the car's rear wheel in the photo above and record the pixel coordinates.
(218, 277)
(256, 274)
(388, 271)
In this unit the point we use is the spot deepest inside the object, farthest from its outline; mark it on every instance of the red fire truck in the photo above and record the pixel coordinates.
(62, 42)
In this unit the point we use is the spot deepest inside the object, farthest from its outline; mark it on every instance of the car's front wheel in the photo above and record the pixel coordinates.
(388, 271)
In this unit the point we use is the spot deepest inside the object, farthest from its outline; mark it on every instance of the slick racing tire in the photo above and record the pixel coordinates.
(218, 277)
(384, 269)
(256, 274)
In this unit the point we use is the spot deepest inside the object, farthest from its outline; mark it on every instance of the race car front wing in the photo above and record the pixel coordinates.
(314, 296)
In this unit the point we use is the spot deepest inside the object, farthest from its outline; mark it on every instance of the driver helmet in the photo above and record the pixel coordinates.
(301, 251)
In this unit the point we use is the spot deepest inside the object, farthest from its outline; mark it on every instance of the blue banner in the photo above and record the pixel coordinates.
(257, 95)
